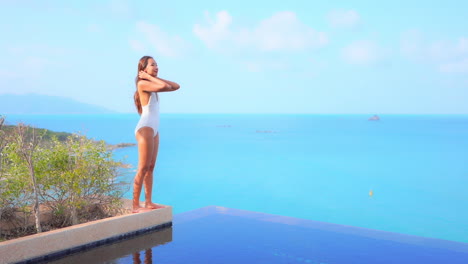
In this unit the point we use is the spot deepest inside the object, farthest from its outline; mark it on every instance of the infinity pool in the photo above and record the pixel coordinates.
(222, 235)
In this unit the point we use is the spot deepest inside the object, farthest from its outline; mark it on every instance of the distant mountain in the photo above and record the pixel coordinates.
(45, 104)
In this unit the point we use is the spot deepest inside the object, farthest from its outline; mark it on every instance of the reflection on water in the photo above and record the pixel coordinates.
(135, 248)
(148, 257)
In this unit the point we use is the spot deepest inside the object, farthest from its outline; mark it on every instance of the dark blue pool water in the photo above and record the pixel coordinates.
(222, 235)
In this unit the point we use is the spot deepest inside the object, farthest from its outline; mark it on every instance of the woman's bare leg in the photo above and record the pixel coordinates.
(149, 176)
(145, 141)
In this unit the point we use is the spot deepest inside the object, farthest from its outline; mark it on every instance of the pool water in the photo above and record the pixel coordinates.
(223, 235)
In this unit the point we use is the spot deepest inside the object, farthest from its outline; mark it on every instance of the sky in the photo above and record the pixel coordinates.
(317, 57)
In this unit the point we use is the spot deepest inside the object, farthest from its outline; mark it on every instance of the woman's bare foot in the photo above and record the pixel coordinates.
(140, 210)
(151, 205)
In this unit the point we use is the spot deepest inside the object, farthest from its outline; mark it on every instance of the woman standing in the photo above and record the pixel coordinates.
(146, 98)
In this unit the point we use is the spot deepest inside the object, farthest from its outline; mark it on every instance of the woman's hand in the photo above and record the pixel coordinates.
(144, 75)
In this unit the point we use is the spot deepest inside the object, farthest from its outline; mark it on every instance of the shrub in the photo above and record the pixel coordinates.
(75, 179)
(76, 175)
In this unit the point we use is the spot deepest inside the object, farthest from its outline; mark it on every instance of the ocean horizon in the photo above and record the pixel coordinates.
(320, 167)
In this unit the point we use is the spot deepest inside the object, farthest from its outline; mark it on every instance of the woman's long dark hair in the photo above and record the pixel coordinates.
(141, 66)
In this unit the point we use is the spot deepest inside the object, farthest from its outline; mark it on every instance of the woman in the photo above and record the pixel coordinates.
(146, 98)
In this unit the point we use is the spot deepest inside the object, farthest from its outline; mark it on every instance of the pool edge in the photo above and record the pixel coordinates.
(83, 236)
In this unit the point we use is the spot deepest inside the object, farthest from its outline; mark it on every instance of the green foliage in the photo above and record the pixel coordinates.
(47, 135)
(76, 174)
(15, 190)
(75, 177)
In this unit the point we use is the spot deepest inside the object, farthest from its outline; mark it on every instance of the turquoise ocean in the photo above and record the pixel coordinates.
(317, 167)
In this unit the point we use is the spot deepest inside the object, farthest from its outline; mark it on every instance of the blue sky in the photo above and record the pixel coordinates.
(336, 57)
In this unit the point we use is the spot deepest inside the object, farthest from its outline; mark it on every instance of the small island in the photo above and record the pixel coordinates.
(265, 131)
(120, 145)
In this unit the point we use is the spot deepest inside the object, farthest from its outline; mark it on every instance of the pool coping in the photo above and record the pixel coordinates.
(64, 241)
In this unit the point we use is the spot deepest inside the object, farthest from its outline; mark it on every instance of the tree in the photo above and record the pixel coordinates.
(2, 180)
(28, 143)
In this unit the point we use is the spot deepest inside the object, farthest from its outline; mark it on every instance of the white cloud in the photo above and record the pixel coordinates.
(216, 31)
(36, 63)
(343, 18)
(411, 43)
(446, 56)
(253, 66)
(362, 52)
(162, 42)
(463, 45)
(282, 31)
(94, 28)
(35, 66)
(5, 73)
(120, 8)
(460, 66)
(264, 65)
(34, 49)
(137, 46)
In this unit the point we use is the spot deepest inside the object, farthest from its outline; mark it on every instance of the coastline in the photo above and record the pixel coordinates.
(62, 136)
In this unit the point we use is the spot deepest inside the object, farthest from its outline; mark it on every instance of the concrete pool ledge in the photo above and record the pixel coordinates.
(64, 241)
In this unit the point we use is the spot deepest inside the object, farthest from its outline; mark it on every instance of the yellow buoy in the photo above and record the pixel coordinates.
(371, 193)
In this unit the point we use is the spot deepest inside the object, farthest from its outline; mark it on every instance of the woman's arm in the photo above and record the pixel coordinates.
(155, 84)
(150, 86)
(175, 86)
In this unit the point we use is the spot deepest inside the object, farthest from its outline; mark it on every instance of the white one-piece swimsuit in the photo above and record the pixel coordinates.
(150, 115)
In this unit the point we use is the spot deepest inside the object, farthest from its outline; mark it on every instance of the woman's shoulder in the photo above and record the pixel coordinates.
(142, 81)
